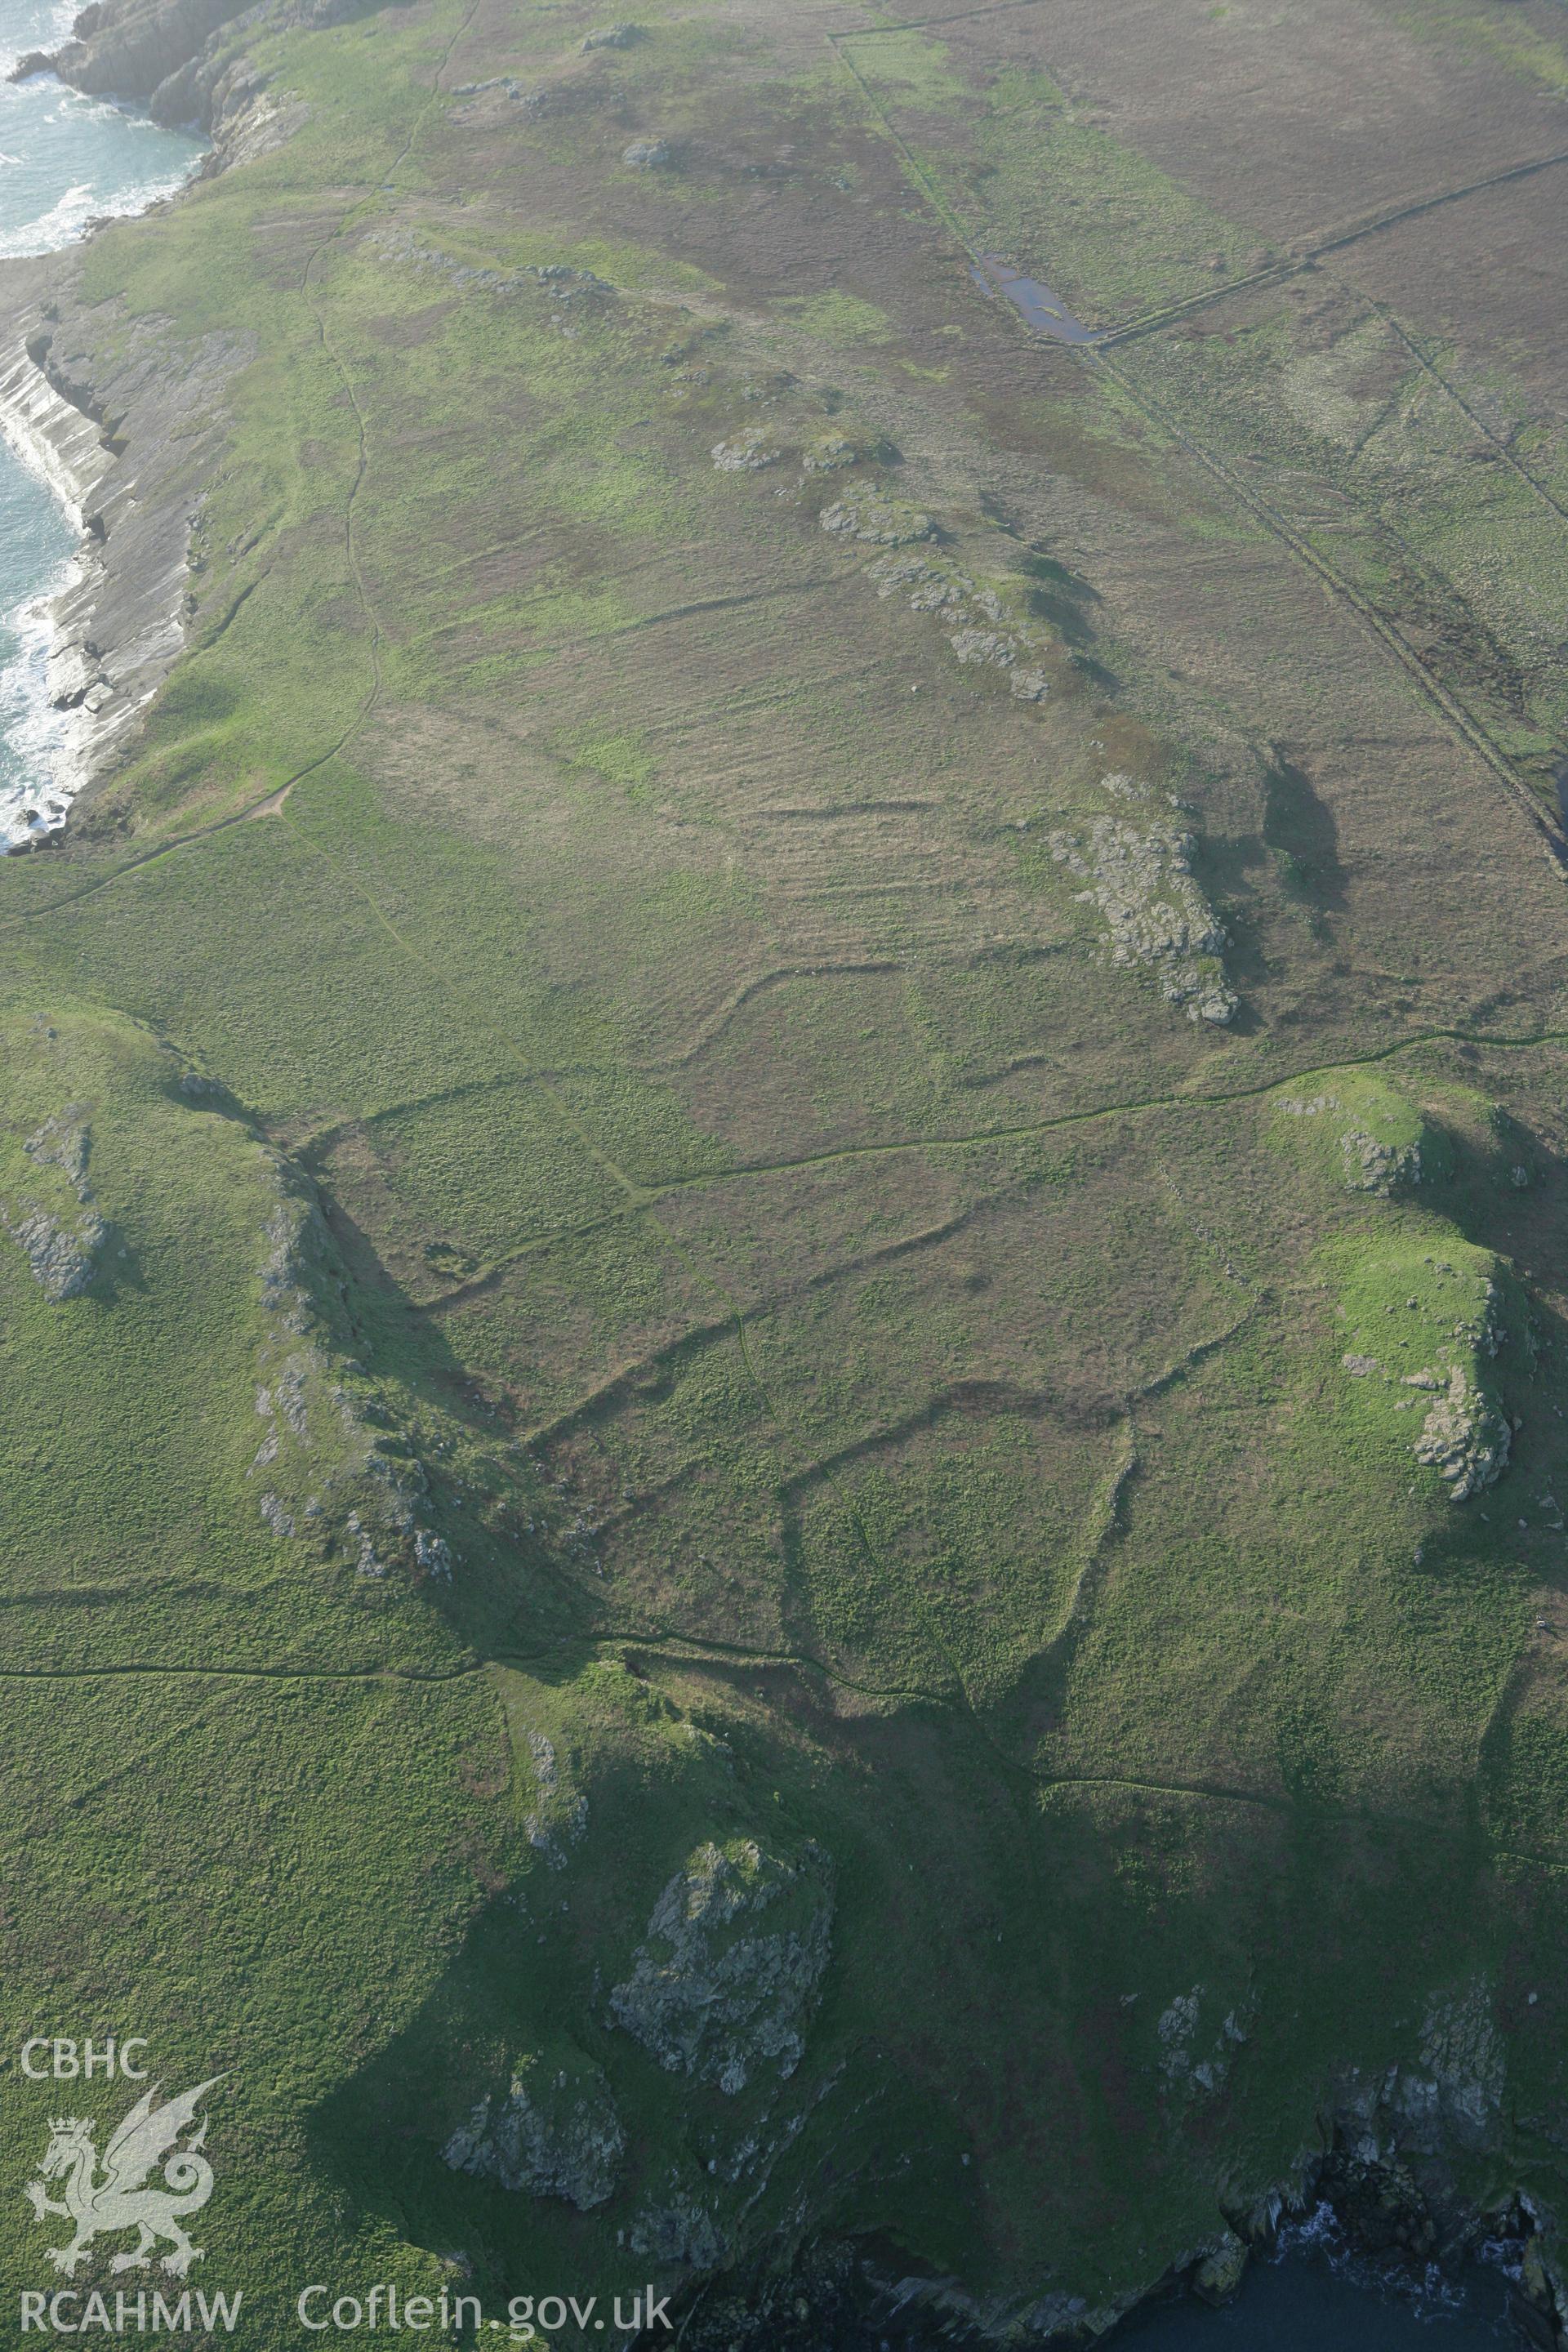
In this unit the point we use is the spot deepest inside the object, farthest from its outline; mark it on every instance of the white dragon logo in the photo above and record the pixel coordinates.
(118, 2201)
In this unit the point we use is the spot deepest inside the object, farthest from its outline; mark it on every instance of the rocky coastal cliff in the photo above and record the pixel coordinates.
(124, 431)
(126, 441)
(173, 56)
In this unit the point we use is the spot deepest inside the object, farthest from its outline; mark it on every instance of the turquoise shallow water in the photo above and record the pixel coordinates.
(63, 159)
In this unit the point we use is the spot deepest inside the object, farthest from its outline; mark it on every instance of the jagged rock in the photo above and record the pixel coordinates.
(514, 89)
(984, 646)
(124, 48)
(556, 2134)
(613, 36)
(61, 1253)
(323, 1435)
(431, 1554)
(1193, 2058)
(725, 1982)
(276, 1516)
(283, 1290)
(62, 1257)
(938, 585)
(995, 630)
(1378, 2203)
(1141, 878)
(646, 155)
(64, 1142)
(1463, 2055)
(1465, 1438)
(554, 1815)
(1545, 2304)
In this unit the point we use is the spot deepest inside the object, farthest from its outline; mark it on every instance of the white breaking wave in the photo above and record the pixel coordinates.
(61, 224)
(51, 28)
(44, 743)
(66, 222)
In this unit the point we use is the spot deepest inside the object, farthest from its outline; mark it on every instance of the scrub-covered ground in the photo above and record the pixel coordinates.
(783, 1322)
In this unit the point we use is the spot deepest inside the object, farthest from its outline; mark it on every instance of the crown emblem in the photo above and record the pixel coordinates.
(117, 2194)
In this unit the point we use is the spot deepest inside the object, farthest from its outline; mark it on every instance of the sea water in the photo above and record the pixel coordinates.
(1314, 2295)
(64, 159)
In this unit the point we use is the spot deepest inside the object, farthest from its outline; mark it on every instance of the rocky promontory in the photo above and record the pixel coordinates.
(175, 57)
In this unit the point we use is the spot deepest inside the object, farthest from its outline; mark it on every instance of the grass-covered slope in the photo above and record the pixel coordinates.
(783, 1196)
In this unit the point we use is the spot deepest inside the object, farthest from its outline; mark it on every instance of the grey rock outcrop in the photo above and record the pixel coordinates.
(555, 2134)
(328, 1452)
(994, 629)
(1451, 2098)
(60, 1241)
(558, 1816)
(1376, 1163)
(828, 454)
(1219, 2275)
(1138, 873)
(725, 1982)
(680, 2230)
(178, 57)
(869, 514)
(63, 1257)
(746, 453)
(1465, 1438)
(1374, 1166)
(125, 48)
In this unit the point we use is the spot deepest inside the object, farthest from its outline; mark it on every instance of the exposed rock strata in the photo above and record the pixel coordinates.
(127, 446)
(331, 1464)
